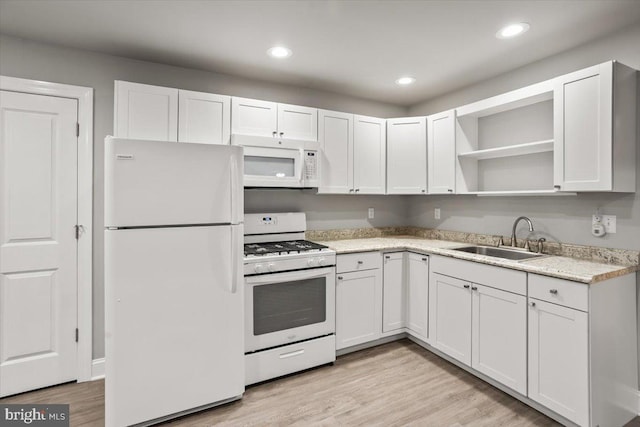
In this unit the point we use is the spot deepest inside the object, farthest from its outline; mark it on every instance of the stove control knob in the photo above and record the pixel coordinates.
(311, 262)
(321, 261)
(271, 267)
(258, 268)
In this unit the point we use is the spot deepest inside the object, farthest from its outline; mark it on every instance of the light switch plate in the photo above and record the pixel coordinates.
(609, 222)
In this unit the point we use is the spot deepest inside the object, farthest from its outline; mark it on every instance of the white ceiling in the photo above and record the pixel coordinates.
(353, 47)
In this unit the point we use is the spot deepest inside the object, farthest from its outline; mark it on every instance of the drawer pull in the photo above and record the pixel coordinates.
(339, 277)
(292, 354)
(387, 257)
(362, 262)
(466, 286)
(553, 291)
(424, 259)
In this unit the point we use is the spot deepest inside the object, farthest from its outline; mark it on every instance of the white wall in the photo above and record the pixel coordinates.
(32, 60)
(564, 219)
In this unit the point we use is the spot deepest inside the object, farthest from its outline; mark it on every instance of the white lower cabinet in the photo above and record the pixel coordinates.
(358, 302)
(417, 294)
(481, 325)
(394, 292)
(559, 359)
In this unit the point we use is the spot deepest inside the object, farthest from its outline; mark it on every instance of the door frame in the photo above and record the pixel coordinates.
(84, 96)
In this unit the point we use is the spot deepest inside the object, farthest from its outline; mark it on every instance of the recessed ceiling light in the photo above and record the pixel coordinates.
(279, 52)
(512, 30)
(403, 81)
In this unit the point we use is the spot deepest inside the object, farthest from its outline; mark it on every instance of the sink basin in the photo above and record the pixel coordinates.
(498, 252)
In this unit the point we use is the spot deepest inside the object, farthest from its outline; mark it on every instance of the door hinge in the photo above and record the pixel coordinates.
(77, 129)
(77, 334)
(79, 231)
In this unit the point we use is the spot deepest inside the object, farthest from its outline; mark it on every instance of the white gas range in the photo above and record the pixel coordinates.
(289, 297)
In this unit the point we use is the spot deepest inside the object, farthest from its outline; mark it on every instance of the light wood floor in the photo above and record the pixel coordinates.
(390, 385)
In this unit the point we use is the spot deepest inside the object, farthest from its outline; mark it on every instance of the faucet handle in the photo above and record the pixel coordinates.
(526, 245)
(500, 241)
(540, 242)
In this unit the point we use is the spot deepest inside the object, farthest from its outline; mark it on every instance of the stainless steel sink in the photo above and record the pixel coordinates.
(498, 252)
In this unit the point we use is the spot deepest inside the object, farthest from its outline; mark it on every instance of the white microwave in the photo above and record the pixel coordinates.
(273, 162)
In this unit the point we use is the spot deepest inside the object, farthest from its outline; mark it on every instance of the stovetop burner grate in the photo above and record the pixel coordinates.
(293, 246)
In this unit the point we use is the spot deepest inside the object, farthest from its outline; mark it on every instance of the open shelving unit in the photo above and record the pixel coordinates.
(504, 144)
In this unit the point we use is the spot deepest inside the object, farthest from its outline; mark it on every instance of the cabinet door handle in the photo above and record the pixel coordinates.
(281, 133)
(424, 259)
(362, 262)
(423, 190)
(387, 256)
(357, 189)
(351, 190)
(466, 286)
(553, 291)
(532, 304)
(274, 133)
(450, 190)
(339, 277)
(557, 187)
(474, 288)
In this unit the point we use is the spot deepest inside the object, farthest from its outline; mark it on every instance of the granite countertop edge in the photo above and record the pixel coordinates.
(549, 265)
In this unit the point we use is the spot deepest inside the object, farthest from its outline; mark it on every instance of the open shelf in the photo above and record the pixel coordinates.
(511, 150)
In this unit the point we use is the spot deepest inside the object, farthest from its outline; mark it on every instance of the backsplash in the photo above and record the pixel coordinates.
(590, 253)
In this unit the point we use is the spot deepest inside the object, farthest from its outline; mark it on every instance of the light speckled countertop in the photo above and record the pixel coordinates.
(555, 266)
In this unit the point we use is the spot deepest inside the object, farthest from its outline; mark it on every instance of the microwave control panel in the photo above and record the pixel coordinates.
(310, 165)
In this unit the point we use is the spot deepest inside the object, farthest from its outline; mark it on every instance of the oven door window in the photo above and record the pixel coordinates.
(276, 167)
(287, 305)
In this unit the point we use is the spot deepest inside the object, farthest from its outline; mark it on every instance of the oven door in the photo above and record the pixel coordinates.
(283, 308)
(273, 167)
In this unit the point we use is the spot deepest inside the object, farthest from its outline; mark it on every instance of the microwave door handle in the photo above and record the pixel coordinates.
(301, 150)
(289, 276)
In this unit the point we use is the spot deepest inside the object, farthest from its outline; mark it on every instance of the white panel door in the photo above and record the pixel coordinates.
(173, 320)
(145, 112)
(450, 316)
(559, 359)
(417, 294)
(441, 142)
(583, 129)
(358, 307)
(336, 145)
(204, 117)
(499, 336)
(297, 122)
(394, 292)
(407, 155)
(369, 155)
(38, 249)
(254, 117)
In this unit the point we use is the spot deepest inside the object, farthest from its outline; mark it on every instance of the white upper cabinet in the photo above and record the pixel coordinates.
(263, 118)
(441, 143)
(145, 112)
(204, 117)
(296, 122)
(595, 122)
(254, 117)
(369, 155)
(166, 114)
(335, 132)
(407, 155)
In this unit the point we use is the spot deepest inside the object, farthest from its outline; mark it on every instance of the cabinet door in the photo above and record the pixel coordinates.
(559, 359)
(441, 142)
(204, 117)
(499, 336)
(254, 117)
(358, 307)
(394, 294)
(336, 146)
(583, 108)
(417, 294)
(407, 155)
(145, 112)
(296, 122)
(369, 155)
(450, 316)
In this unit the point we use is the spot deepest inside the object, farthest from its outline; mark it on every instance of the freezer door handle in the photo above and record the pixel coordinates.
(237, 187)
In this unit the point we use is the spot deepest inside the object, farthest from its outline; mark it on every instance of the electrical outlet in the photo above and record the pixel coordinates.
(436, 213)
(371, 213)
(609, 222)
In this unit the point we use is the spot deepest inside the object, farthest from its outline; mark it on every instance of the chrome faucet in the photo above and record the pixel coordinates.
(514, 242)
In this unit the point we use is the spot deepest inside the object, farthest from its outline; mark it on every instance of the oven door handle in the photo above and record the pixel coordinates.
(288, 276)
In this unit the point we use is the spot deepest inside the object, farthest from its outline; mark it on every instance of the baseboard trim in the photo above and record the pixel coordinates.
(97, 369)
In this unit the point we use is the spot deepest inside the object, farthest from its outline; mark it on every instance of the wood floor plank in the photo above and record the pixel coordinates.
(396, 384)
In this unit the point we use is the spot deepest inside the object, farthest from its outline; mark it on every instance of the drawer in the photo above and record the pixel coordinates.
(264, 365)
(358, 261)
(559, 291)
(482, 274)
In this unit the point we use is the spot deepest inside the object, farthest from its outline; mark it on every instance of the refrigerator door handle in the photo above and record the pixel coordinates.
(236, 235)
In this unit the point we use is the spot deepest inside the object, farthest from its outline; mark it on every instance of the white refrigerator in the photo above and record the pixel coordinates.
(173, 278)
